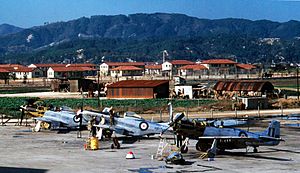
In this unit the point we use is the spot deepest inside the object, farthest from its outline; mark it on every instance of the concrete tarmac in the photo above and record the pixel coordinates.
(49, 151)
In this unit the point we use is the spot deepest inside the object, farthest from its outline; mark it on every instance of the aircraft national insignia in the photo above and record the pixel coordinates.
(144, 126)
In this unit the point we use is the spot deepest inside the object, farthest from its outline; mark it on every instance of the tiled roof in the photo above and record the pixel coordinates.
(240, 85)
(246, 66)
(153, 66)
(181, 62)
(125, 63)
(65, 65)
(66, 69)
(138, 83)
(194, 67)
(50, 65)
(81, 65)
(3, 70)
(10, 65)
(122, 68)
(21, 69)
(218, 61)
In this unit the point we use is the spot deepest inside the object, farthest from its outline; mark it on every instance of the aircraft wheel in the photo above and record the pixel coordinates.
(202, 147)
(46, 125)
(184, 149)
(112, 146)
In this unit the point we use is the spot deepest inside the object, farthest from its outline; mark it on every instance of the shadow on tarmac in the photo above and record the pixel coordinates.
(21, 170)
(255, 156)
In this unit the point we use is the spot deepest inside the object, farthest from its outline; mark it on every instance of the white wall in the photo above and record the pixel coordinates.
(166, 66)
(104, 71)
(50, 73)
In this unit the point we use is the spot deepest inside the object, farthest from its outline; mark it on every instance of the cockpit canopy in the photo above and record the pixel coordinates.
(132, 115)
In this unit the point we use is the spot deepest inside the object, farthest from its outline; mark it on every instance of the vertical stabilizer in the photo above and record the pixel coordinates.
(273, 130)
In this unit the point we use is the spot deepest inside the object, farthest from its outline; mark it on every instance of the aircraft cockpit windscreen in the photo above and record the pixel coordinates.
(132, 115)
(66, 108)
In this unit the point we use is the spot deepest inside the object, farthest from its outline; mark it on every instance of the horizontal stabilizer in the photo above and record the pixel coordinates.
(268, 138)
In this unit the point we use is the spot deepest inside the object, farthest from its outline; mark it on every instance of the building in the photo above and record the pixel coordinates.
(170, 68)
(105, 68)
(146, 89)
(246, 69)
(44, 67)
(192, 70)
(70, 72)
(4, 75)
(220, 66)
(126, 71)
(26, 73)
(243, 88)
(153, 70)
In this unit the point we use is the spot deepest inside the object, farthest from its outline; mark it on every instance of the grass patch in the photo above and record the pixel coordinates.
(10, 106)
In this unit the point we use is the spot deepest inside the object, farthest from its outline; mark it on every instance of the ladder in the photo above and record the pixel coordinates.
(204, 155)
(161, 147)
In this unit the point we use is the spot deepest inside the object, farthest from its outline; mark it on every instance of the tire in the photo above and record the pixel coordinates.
(47, 125)
(202, 146)
(184, 149)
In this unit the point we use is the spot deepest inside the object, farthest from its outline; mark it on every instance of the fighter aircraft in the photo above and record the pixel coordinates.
(130, 125)
(226, 138)
(62, 117)
(34, 107)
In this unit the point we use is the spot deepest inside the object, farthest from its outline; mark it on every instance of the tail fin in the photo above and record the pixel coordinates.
(170, 110)
(273, 130)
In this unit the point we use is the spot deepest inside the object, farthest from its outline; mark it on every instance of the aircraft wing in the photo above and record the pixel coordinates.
(122, 131)
(248, 139)
(48, 120)
(238, 138)
(105, 126)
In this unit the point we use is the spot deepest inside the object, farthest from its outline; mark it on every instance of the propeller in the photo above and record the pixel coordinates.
(174, 121)
(78, 116)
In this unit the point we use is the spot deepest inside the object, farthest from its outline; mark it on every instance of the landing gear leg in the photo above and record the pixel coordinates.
(255, 150)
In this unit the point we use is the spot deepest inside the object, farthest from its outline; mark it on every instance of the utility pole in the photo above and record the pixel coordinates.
(298, 84)
(98, 87)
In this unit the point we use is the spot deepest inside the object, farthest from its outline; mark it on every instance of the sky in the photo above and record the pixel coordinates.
(28, 13)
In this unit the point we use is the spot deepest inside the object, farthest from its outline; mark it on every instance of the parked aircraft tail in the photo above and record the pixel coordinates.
(273, 130)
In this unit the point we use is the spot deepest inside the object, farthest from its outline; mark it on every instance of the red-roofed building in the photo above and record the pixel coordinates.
(126, 71)
(11, 66)
(220, 66)
(18, 71)
(44, 67)
(70, 72)
(246, 69)
(169, 68)
(192, 70)
(4, 74)
(146, 89)
(153, 70)
(106, 67)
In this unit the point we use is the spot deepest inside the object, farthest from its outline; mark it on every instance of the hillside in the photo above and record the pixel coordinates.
(146, 35)
(6, 29)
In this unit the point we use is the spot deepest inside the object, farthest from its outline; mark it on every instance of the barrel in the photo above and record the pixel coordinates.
(94, 143)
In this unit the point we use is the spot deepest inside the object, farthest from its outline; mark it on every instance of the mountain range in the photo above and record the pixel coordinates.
(6, 29)
(184, 36)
